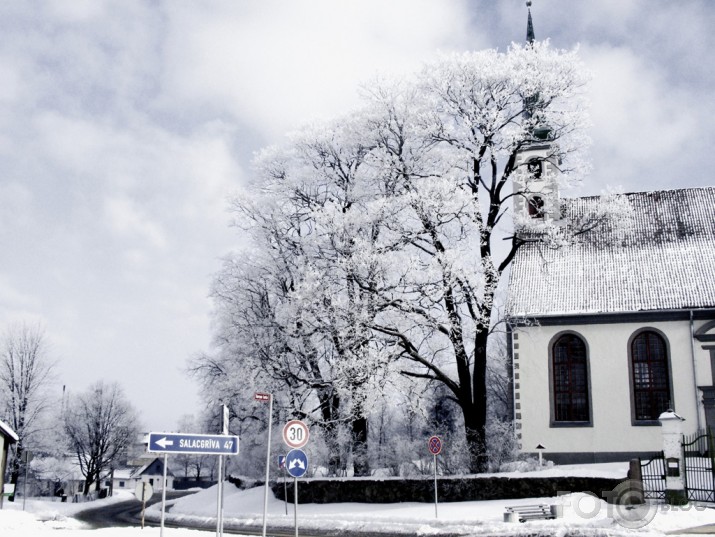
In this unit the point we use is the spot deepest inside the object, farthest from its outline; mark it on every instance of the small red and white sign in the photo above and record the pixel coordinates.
(295, 434)
(435, 445)
(260, 396)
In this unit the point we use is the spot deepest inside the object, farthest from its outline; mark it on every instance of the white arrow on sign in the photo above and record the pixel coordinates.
(164, 442)
(298, 463)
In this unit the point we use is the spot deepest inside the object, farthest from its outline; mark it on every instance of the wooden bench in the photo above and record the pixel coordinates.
(522, 513)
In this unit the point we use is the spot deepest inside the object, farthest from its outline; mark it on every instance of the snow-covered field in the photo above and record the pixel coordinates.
(583, 515)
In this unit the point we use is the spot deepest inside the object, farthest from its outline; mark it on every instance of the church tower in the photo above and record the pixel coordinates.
(536, 172)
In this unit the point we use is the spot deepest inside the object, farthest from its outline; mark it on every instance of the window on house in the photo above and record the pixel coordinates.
(570, 380)
(650, 376)
(536, 207)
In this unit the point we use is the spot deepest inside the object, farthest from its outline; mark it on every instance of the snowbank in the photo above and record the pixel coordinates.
(584, 515)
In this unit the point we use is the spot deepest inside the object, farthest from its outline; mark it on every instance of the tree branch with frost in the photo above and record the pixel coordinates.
(415, 355)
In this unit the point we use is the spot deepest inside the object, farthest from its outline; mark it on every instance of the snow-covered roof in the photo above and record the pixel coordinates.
(8, 432)
(124, 473)
(663, 260)
(131, 472)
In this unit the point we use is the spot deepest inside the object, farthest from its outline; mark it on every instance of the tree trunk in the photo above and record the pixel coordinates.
(15, 469)
(361, 466)
(475, 411)
(330, 412)
(475, 432)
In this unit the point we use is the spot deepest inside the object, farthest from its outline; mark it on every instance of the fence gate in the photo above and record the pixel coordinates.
(699, 466)
(653, 476)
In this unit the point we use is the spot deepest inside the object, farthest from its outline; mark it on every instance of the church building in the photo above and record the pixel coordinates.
(614, 327)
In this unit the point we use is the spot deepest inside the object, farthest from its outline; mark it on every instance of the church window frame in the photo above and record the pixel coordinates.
(536, 207)
(535, 168)
(560, 392)
(651, 360)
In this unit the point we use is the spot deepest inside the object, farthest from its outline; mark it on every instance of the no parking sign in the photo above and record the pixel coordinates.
(435, 445)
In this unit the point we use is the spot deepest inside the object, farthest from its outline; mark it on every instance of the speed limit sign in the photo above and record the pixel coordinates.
(295, 434)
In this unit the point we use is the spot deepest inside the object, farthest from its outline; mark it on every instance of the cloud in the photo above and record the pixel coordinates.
(641, 122)
(127, 220)
(276, 64)
(17, 205)
(14, 300)
(633, 106)
(125, 125)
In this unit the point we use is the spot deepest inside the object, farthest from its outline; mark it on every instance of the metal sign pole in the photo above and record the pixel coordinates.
(219, 495)
(223, 489)
(24, 485)
(224, 431)
(435, 486)
(163, 496)
(268, 461)
(26, 458)
(295, 504)
(285, 489)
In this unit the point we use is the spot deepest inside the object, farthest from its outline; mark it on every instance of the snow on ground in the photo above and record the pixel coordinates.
(54, 518)
(583, 515)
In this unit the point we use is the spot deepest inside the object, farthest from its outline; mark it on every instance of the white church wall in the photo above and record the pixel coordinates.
(611, 428)
(703, 363)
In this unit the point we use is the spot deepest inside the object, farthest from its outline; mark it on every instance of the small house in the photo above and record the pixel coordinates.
(8, 437)
(151, 471)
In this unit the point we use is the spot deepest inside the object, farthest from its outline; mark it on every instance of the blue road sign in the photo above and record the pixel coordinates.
(200, 444)
(297, 462)
(281, 461)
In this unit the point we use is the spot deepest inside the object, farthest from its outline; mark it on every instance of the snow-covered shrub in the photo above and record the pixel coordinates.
(502, 445)
(527, 463)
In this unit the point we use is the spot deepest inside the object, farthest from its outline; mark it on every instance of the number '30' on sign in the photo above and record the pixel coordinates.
(295, 434)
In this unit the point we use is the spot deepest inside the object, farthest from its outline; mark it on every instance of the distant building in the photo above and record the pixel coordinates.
(8, 437)
(150, 471)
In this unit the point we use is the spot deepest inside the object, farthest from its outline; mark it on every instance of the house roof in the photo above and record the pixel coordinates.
(132, 472)
(8, 432)
(663, 260)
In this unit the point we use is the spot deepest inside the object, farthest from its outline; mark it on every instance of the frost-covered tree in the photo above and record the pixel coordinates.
(293, 316)
(100, 425)
(382, 234)
(25, 374)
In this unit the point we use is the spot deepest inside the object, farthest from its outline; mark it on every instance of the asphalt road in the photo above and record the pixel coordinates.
(121, 514)
(128, 513)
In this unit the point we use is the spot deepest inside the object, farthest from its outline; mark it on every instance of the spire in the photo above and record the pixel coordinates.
(529, 25)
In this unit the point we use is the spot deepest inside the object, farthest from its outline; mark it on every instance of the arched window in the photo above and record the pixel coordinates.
(536, 207)
(570, 380)
(650, 376)
(534, 168)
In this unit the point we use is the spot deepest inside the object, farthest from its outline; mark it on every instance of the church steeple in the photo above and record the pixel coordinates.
(536, 181)
(530, 38)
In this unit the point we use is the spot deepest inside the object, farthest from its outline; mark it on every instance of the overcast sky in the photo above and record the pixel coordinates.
(125, 126)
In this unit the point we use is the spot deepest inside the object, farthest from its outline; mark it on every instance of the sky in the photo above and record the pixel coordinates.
(125, 127)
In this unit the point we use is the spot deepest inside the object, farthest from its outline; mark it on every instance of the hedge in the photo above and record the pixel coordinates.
(449, 489)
